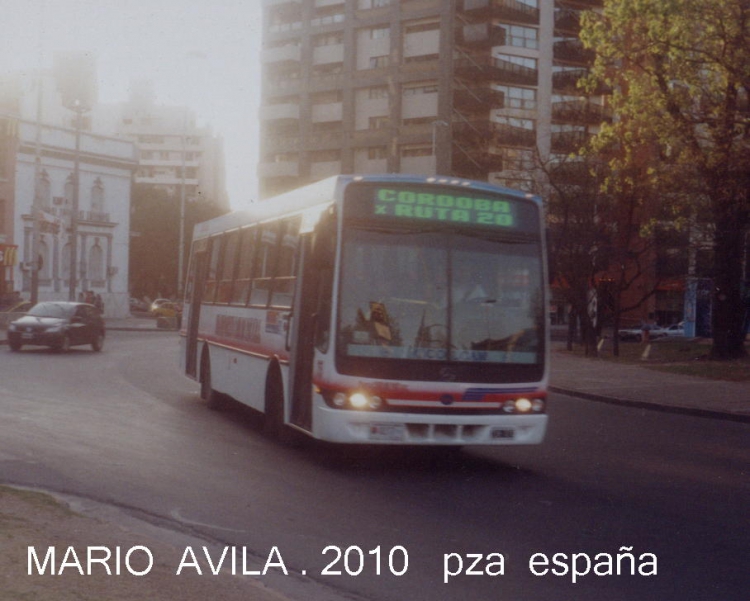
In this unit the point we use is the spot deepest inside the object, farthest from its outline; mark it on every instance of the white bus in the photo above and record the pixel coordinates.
(386, 309)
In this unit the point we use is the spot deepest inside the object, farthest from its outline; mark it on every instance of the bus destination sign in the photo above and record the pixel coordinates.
(443, 206)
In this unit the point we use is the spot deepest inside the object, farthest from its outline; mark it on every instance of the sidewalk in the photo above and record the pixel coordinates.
(636, 386)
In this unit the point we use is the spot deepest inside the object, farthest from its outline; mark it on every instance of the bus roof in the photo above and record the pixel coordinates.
(320, 195)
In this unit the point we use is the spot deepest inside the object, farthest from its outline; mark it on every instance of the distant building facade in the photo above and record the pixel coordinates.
(174, 153)
(44, 151)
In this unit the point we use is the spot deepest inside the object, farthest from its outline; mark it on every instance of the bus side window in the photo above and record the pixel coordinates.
(285, 272)
(265, 258)
(241, 288)
(213, 268)
(227, 267)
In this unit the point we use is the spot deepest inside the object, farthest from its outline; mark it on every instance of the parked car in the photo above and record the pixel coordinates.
(676, 329)
(636, 333)
(156, 304)
(59, 325)
(138, 305)
(168, 309)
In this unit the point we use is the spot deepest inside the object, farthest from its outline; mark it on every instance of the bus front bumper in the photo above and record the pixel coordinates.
(371, 427)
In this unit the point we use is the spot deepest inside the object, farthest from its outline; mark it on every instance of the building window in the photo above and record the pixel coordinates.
(378, 62)
(376, 153)
(97, 196)
(378, 33)
(523, 61)
(44, 191)
(69, 191)
(381, 122)
(96, 264)
(521, 37)
(377, 92)
(518, 98)
(423, 26)
(416, 90)
(416, 151)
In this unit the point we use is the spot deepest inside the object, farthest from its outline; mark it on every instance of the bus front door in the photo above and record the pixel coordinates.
(198, 267)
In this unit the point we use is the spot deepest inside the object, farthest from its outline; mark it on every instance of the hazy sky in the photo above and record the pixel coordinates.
(199, 53)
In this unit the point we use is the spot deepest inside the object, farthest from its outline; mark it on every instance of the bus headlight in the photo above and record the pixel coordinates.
(358, 399)
(524, 405)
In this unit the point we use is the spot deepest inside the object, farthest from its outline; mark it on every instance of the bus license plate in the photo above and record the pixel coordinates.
(502, 433)
(387, 432)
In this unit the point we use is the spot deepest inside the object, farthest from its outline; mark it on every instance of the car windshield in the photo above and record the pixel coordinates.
(439, 296)
(51, 310)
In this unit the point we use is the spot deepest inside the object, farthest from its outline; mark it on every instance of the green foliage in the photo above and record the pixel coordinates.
(155, 239)
(680, 75)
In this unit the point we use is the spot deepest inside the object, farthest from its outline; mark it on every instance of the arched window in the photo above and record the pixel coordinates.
(44, 190)
(96, 264)
(69, 191)
(97, 196)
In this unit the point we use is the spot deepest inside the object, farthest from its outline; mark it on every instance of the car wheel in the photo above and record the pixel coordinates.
(14, 346)
(98, 342)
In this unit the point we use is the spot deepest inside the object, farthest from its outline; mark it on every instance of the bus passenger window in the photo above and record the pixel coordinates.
(265, 259)
(241, 288)
(228, 263)
(213, 268)
(283, 289)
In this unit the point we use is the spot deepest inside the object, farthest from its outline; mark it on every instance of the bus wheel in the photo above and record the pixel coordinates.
(273, 423)
(214, 400)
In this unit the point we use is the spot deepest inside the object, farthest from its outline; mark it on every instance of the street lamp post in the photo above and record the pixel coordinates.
(78, 108)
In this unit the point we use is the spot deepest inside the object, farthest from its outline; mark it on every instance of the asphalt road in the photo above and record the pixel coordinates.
(125, 427)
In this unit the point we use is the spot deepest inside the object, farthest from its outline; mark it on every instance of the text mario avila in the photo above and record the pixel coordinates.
(139, 561)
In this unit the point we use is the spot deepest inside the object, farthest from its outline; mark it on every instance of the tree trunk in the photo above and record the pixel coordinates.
(728, 317)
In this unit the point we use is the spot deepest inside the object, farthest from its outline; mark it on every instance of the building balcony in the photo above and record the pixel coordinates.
(509, 135)
(567, 22)
(570, 173)
(472, 162)
(579, 4)
(487, 68)
(580, 111)
(480, 35)
(477, 99)
(572, 52)
(567, 81)
(569, 141)
(506, 10)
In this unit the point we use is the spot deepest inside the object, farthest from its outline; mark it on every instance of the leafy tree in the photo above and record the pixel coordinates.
(680, 71)
(155, 238)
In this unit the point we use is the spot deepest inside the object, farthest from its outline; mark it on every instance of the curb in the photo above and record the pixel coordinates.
(692, 411)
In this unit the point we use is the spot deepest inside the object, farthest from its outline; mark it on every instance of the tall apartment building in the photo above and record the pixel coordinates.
(173, 151)
(469, 88)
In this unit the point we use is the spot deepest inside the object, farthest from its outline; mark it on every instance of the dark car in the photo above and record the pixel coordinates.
(58, 325)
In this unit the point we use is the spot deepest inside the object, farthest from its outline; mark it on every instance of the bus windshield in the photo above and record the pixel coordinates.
(444, 295)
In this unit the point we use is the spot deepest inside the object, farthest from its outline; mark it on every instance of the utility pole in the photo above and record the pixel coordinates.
(79, 109)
